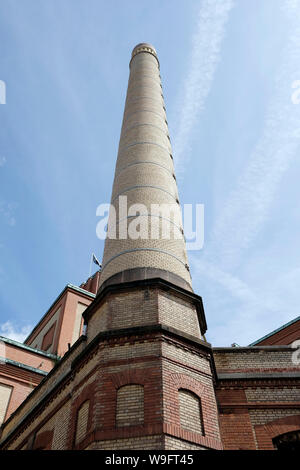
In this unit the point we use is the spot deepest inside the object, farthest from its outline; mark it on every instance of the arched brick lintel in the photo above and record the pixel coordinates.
(179, 381)
(129, 377)
(266, 432)
(150, 379)
(188, 383)
(283, 425)
(183, 381)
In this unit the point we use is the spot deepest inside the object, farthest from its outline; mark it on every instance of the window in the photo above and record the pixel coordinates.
(288, 441)
(48, 338)
(130, 405)
(82, 421)
(190, 411)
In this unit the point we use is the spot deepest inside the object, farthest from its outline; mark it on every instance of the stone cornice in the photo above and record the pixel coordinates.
(145, 283)
(144, 47)
(258, 375)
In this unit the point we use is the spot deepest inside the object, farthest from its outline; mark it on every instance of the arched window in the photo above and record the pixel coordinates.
(288, 441)
(82, 421)
(190, 411)
(130, 405)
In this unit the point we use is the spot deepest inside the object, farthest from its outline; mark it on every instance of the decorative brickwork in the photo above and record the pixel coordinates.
(207, 435)
(82, 421)
(133, 443)
(190, 411)
(130, 405)
(257, 386)
(144, 306)
(82, 413)
(267, 432)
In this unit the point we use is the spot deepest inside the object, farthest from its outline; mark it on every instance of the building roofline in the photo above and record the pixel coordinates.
(239, 349)
(68, 286)
(48, 392)
(77, 361)
(82, 291)
(263, 375)
(28, 348)
(275, 331)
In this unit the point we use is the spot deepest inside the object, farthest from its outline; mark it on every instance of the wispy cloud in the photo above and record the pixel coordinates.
(204, 58)
(243, 310)
(247, 207)
(252, 308)
(14, 332)
(2, 160)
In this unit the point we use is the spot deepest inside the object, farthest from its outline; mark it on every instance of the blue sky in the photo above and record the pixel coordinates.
(227, 71)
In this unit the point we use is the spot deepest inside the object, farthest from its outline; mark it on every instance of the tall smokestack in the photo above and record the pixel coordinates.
(145, 175)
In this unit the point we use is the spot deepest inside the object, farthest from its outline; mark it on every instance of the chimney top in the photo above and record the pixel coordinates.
(144, 47)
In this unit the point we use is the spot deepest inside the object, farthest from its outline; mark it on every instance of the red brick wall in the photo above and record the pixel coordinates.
(266, 432)
(267, 390)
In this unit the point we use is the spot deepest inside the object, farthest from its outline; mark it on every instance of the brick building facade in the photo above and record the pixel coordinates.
(122, 362)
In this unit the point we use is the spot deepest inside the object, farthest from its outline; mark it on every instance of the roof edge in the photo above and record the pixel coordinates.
(28, 348)
(68, 286)
(275, 331)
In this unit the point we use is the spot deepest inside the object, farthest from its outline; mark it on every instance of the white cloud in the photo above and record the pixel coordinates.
(15, 332)
(236, 311)
(248, 205)
(250, 309)
(205, 55)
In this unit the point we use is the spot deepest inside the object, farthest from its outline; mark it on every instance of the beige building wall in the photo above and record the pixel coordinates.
(5, 392)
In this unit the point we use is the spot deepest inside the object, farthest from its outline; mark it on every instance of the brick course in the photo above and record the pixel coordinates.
(247, 405)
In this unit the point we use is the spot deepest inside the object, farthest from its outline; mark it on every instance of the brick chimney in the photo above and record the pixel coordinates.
(145, 176)
(156, 372)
